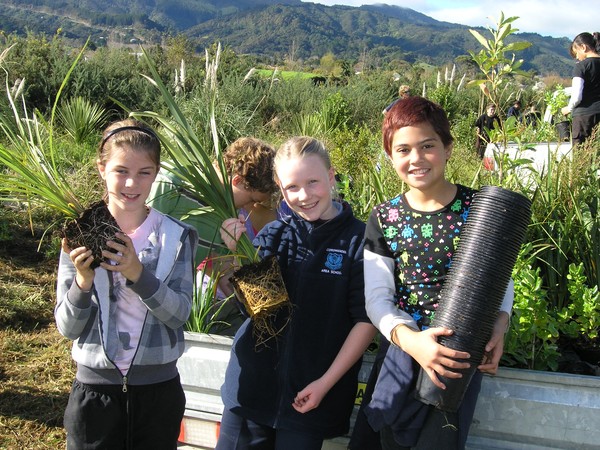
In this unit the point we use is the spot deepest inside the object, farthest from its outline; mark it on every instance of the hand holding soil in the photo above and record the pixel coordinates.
(124, 258)
(82, 259)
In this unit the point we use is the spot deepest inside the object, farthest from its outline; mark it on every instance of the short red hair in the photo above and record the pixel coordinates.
(412, 111)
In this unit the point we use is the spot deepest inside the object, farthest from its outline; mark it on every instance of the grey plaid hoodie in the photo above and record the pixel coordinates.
(165, 287)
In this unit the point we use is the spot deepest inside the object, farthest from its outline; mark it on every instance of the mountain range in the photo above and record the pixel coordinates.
(274, 29)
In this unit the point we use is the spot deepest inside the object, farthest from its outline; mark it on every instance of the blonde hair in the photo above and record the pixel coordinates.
(299, 147)
(404, 89)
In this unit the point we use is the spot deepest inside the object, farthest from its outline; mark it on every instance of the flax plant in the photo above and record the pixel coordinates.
(202, 169)
(81, 118)
(29, 159)
(205, 314)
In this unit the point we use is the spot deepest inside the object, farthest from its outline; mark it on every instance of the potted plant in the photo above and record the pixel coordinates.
(555, 101)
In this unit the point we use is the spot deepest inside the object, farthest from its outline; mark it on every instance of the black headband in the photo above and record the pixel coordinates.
(111, 133)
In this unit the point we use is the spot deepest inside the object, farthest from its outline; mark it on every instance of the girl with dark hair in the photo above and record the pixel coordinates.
(584, 104)
(409, 244)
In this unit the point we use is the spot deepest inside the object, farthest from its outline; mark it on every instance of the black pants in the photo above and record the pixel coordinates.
(441, 430)
(103, 417)
(583, 126)
(238, 433)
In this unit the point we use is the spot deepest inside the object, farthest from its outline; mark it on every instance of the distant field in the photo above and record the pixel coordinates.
(285, 74)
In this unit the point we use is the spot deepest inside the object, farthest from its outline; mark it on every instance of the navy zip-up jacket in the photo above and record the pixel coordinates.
(322, 268)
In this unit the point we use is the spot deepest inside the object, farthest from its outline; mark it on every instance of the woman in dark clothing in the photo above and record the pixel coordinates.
(487, 121)
(584, 104)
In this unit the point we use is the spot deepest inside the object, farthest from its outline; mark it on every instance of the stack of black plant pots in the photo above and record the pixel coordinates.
(475, 285)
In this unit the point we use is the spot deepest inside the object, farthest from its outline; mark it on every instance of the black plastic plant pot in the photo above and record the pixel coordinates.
(472, 294)
(564, 130)
(448, 399)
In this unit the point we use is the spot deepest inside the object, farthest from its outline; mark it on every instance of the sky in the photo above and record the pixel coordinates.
(556, 18)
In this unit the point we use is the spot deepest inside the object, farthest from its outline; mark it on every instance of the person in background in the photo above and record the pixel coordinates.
(249, 162)
(584, 104)
(487, 121)
(405, 266)
(126, 317)
(403, 92)
(515, 110)
(298, 389)
(532, 116)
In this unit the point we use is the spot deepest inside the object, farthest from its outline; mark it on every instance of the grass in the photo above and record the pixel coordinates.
(36, 373)
(284, 74)
(36, 369)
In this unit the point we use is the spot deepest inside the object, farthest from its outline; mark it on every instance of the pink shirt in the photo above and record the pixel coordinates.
(131, 312)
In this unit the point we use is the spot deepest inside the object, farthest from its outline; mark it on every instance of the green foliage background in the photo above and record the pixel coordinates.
(346, 113)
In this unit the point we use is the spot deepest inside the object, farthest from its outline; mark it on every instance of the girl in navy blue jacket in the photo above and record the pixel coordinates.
(299, 388)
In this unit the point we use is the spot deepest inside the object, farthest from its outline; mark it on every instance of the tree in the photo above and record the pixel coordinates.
(496, 68)
(494, 65)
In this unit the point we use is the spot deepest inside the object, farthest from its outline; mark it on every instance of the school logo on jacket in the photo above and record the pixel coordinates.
(333, 261)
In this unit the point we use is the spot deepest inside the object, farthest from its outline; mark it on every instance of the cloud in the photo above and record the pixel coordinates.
(557, 18)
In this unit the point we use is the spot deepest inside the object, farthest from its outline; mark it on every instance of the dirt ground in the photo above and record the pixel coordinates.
(36, 370)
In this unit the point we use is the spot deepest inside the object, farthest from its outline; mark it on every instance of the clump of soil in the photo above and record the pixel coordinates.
(92, 229)
(260, 288)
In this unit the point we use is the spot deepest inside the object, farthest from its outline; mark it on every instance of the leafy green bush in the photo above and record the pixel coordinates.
(332, 116)
(366, 96)
(532, 338)
(581, 317)
(367, 175)
(43, 63)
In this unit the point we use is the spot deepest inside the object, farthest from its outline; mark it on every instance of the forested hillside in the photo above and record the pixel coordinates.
(271, 29)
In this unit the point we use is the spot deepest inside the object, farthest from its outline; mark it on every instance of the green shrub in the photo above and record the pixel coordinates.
(368, 177)
(366, 96)
(81, 119)
(532, 338)
(580, 319)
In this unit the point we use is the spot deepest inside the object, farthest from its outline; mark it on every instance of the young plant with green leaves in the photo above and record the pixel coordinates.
(581, 317)
(497, 68)
(492, 60)
(206, 312)
(556, 100)
(532, 339)
(81, 118)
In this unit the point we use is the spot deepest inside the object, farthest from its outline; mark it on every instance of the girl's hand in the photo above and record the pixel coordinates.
(126, 259)
(231, 231)
(310, 397)
(434, 358)
(495, 347)
(82, 259)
